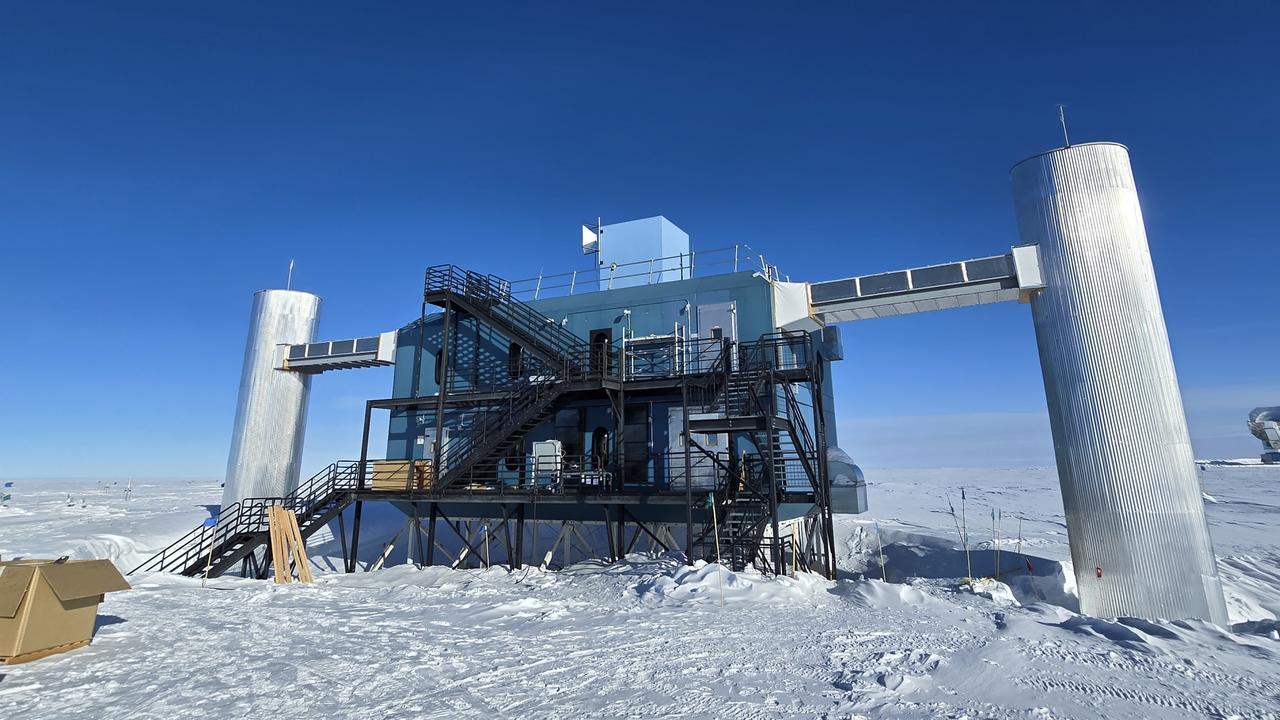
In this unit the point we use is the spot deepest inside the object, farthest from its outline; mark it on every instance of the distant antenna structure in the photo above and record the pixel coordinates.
(288, 283)
(1062, 120)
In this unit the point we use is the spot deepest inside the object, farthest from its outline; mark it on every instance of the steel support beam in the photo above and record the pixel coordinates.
(431, 535)
(518, 560)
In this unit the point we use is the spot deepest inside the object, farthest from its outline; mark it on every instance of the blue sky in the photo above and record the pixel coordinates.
(159, 162)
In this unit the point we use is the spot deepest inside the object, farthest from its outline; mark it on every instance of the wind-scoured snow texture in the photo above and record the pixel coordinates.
(652, 637)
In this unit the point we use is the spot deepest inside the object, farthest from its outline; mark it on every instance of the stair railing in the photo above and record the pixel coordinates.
(248, 517)
(805, 445)
(463, 449)
(494, 294)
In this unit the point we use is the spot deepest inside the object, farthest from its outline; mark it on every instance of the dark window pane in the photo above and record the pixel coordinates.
(990, 268)
(834, 290)
(369, 344)
(515, 361)
(297, 352)
(342, 347)
(317, 349)
(884, 283)
(938, 275)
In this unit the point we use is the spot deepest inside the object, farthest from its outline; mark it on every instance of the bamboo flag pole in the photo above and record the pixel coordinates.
(884, 575)
(964, 532)
(1020, 537)
(955, 518)
(994, 559)
(793, 549)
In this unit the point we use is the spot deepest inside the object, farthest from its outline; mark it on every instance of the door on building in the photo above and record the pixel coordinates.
(723, 316)
(601, 350)
(635, 440)
(719, 321)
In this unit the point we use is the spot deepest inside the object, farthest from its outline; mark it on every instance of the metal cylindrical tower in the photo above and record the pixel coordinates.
(271, 412)
(1135, 516)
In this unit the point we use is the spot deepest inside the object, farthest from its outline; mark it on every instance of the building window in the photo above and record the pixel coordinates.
(599, 448)
(515, 361)
(515, 459)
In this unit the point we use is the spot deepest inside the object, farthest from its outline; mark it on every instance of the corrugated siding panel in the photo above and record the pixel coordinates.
(1125, 463)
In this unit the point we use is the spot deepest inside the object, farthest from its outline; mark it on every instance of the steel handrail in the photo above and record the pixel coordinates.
(517, 408)
(245, 517)
(796, 417)
(495, 293)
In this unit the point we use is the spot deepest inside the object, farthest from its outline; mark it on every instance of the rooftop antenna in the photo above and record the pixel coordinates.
(288, 284)
(1062, 120)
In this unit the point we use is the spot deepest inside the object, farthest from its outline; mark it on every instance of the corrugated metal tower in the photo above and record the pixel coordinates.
(1139, 541)
(271, 412)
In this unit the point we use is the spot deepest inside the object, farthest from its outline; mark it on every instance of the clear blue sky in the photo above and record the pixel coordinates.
(159, 162)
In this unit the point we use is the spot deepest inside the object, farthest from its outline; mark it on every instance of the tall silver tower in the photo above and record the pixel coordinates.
(271, 412)
(1139, 541)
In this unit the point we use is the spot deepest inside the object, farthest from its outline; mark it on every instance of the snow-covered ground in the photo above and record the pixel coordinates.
(653, 638)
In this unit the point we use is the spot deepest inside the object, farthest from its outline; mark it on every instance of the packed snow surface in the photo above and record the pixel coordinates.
(652, 637)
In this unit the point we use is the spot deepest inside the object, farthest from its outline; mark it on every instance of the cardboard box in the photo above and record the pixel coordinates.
(49, 607)
(394, 475)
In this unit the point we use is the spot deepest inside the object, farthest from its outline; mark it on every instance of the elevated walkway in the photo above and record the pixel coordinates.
(317, 357)
(980, 281)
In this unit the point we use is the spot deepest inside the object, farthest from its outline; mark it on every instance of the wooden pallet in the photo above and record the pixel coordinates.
(287, 544)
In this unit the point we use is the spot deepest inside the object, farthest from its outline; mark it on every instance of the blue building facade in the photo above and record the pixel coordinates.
(734, 306)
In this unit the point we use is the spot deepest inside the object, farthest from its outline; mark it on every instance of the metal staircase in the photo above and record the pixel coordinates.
(242, 528)
(564, 357)
(742, 517)
(798, 442)
(520, 411)
(488, 298)
(749, 397)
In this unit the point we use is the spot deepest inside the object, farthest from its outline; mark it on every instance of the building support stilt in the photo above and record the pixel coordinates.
(431, 535)
(517, 561)
(342, 537)
(621, 527)
(355, 536)
(608, 534)
(688, 474)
